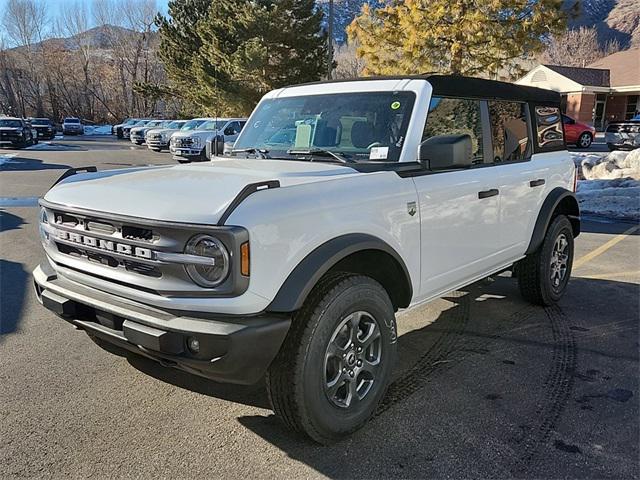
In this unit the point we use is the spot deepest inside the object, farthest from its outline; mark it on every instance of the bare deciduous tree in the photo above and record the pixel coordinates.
(577, 48)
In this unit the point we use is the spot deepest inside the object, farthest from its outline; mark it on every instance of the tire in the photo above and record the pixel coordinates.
(541, 279)
(584, 140)
(297, 384)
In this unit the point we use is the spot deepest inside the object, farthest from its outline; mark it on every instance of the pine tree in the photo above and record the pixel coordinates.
(469, 37)
(180, 43)
(240, 49)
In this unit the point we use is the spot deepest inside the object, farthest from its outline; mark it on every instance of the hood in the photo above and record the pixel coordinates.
(11, 129)
(190, 193)
(160, 130)
(194, 133)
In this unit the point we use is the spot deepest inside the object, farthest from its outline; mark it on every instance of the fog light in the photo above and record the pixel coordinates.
(193, 344)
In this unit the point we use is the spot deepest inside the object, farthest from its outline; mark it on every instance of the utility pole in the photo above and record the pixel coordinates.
(330, 40)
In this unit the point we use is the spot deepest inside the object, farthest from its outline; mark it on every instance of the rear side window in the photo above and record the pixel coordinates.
(549, 132)
(456, 116)
(509, 131)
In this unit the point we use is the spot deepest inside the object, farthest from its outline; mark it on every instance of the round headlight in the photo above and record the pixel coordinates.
(208, 275)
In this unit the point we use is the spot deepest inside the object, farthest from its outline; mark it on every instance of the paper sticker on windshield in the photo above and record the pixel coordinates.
(395, 105)
(379, 153)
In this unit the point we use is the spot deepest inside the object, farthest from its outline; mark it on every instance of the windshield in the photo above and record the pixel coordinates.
(192, 124)
(40, 121)
(358, 126)
(141, 123)
(131, 122)
(211, 125)
(154, 123)
(71, 120)
(11, 123)
(176, 124)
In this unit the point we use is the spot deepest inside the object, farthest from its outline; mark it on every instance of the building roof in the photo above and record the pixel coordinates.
(594, 77)
(624, 67)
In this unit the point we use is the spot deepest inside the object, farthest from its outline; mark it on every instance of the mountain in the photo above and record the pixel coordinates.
(98, 38)
(614, 20)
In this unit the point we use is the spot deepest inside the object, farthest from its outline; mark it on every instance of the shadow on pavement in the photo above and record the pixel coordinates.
(13, 282)
(30, 164)
(495, 389)
(254, 395)
(9, 221)
(593, 224)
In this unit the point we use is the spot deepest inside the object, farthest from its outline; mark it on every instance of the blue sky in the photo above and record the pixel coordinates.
(57, 6)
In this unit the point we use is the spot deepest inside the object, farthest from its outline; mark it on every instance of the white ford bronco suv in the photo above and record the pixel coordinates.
(342, 203)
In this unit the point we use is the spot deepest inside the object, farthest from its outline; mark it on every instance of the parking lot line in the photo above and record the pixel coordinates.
(610, 275)
(603, 248)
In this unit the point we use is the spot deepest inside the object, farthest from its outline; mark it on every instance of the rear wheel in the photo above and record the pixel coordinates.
(335, 364)
(543, 275)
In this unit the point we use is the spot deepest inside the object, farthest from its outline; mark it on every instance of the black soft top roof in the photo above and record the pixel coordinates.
(472, 87)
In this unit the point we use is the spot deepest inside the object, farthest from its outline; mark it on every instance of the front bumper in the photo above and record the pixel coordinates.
(232, 349)
(136, 138)
(157, 144)
(622, 140)
(186, 152)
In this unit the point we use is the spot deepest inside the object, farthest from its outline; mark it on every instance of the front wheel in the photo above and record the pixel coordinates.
(335, 364)
(543, 275)
(585, 139)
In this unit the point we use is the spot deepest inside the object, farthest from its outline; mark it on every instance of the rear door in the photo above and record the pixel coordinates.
(521, 182)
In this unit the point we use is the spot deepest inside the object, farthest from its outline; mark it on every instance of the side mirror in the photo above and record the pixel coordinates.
(217, 146)
(446, 151)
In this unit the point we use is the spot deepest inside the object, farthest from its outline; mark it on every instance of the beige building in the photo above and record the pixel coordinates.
(606, 90)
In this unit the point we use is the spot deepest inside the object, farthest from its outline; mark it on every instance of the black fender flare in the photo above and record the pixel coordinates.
(295, 289)
(557, 196)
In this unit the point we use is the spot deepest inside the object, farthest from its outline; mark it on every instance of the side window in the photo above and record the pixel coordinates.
(232, 128)
(456, 116)
(509, 131)
(549, 132)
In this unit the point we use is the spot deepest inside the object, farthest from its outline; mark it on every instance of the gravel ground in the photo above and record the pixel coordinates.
(486, 387)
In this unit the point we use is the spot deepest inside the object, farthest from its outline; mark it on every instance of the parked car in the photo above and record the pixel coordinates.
(342, 203)
(224, 140)
(623, 134)
(137, 134)
(579, 134)
(72, 126)
(126, 129)
(15, 132)
(158, 138)
(117, 129)
(189, 146)
(44, 127)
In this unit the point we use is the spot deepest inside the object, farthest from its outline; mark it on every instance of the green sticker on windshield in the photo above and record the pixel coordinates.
(395, 105)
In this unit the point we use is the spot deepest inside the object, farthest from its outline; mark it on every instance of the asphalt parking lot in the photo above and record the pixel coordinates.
(487, 386)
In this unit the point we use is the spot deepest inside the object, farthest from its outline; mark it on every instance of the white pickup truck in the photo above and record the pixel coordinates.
(342, 203)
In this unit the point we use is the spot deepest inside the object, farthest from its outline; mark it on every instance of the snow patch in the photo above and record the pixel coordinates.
(609, 183)
(97, 129)
(608, 166)
(6, 158)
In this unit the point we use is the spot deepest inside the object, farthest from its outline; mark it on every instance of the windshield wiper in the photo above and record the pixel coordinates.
(259, 152)
(321, 152)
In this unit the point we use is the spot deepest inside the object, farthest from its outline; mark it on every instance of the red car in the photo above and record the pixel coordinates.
(578, 133)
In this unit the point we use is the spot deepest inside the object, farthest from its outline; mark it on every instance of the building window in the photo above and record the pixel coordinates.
(632, 107)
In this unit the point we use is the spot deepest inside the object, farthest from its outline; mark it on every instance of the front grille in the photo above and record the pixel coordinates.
(183, 142)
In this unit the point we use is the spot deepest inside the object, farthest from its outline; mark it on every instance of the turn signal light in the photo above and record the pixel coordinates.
(244, 259)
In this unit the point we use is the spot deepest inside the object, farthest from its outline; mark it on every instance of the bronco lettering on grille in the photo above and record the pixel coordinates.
(107, 245)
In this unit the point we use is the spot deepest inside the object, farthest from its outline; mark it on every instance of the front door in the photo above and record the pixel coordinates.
(599, 111)
(459, 208)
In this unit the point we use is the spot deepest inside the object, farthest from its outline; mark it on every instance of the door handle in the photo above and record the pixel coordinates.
(536, 183)
(488, 193)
